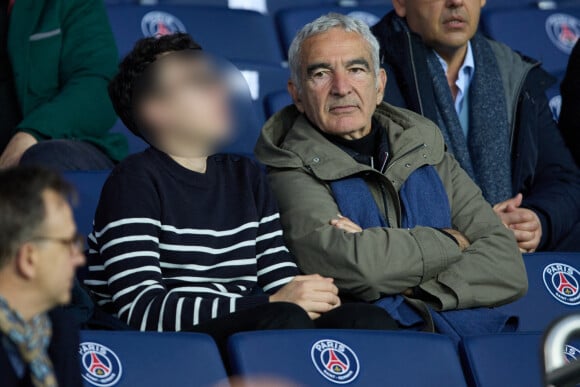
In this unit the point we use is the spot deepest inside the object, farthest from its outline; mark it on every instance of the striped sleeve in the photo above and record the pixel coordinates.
(124, 261)
(276, 266)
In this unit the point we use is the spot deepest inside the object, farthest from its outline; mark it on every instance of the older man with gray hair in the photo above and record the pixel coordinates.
(369, 197)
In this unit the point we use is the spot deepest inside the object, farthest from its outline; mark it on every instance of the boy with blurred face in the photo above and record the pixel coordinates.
(40, 251)
(185, 240)
(491, 106)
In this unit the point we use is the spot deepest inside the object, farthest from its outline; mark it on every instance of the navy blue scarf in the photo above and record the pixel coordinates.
(425, 203)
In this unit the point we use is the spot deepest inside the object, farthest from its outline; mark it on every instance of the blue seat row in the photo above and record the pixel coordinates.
(313, 358)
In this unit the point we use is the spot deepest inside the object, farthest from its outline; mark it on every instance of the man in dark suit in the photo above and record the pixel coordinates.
(40, 251)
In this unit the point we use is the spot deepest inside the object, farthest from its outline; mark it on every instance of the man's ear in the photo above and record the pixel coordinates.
(400, 7)
(293, 90)
(382, 83)
(26, 261)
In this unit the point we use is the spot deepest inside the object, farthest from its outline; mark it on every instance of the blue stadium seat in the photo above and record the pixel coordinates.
(233, 34)
(149, 359)
(546, 35)
(290, 21)
(554, 290)
(275, 102)
(88, 185)
(358, 358)
(136, 144)
(263, 79)
(503, 360)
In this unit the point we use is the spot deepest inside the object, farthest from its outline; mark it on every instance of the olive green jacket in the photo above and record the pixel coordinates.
(63, 55)
(387, 261)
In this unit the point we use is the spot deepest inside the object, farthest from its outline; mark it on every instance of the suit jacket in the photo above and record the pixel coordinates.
(63, 55)
(63, 351)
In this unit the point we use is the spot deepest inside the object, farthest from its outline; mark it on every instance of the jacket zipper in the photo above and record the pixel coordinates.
(414, 72)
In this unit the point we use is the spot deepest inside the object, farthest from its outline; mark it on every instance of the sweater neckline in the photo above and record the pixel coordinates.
(184, 175)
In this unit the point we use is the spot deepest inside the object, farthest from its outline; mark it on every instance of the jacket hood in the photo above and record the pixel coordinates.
(288, 140)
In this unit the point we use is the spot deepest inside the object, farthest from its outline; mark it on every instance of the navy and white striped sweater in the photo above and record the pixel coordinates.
(172, 248)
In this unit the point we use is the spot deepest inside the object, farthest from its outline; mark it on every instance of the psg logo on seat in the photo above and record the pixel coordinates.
(335, 361)
(563, 283)
(157, 23)
(563, 30)
(101, 367)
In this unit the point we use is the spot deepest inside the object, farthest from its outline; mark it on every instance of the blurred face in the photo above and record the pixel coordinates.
(339, 91)
(189, 102)
(445, 25)
(58, 254)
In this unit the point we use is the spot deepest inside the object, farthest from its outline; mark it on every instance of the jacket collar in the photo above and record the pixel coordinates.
(288, 140)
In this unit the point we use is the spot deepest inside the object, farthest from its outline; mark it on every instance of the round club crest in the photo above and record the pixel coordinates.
(571, 353)
(563, 30)
(563, 283)
(556, 106)
(99, 365)
(335, 361)
(157, 23)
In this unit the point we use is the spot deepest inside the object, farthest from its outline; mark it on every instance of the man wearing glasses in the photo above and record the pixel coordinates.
(40, 251)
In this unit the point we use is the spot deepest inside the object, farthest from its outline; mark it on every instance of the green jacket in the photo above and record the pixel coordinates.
(386, 261)
(63, 55)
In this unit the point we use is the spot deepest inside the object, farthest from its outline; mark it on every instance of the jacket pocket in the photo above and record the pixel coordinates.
(45, 50)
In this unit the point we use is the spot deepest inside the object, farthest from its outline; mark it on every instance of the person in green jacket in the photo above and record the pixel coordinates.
(368, 195)
(56, 59)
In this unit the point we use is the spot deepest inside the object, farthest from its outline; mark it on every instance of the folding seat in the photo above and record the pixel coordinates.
(276, 101)
(546, 35)
(290, 21)
(263, 79)
(149, 359)
(233, 34)
(357, 358)
(554, 290)
(503, 360)
(88, 185)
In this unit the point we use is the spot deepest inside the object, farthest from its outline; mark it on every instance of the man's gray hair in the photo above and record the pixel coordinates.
(323, 24)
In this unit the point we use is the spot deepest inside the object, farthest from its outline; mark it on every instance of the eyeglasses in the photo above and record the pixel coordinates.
(76, 243)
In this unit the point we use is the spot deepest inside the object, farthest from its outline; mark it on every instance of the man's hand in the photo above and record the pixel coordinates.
(345, 224)
(524, 223)
(461, 239)
(314, 293)
(19, 143)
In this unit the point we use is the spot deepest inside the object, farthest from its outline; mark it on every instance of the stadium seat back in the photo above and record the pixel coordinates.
(290, 21)
(88, 185)
(233, 34)
(136, 144)
(545, 35)
(149, 359)
(357, 358)
(554, 290)
(263, 79)
(503, 360)
(276, 101)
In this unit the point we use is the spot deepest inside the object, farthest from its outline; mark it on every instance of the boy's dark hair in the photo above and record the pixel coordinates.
(146, 51)
(22, 209)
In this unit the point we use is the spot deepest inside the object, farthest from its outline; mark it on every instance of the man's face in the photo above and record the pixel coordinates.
(445, 25)
(189, 103)
(339, 91)
(57, 261)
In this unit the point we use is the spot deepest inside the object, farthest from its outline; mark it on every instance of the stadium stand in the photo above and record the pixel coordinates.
(249, 35)
(291, 20)
(88, 185)
(363, 358)
(554, 290)
(274, 102)
(546, 35)
(149, 359)
(263, 79)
